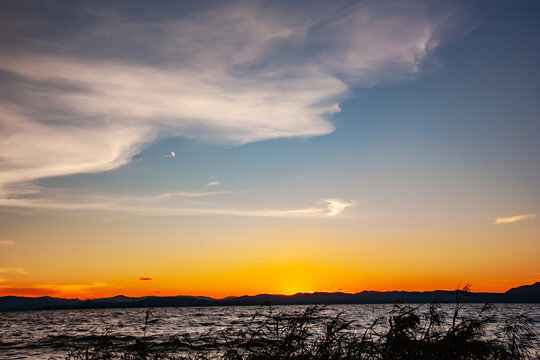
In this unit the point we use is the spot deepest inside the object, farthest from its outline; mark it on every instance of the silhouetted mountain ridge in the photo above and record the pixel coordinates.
(521, 294)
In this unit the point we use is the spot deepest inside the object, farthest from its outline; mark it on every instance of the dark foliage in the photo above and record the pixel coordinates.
(294, 336)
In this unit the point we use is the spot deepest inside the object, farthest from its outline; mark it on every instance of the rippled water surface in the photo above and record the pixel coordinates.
(46, 334)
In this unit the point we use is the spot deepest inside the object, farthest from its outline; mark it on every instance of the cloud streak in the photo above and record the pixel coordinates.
(172, 204)
(336, 206)
(234, 74)
(511, 219)
(57, 289)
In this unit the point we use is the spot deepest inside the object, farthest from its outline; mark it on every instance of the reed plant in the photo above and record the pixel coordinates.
(407, 335)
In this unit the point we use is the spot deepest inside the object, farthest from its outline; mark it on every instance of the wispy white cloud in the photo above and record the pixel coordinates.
(213, 183)
(234, 74)
(167, 204)
(511, 219)
(336, 206)
(7, 242)
(65, 200)
(187, 194)
(171, 155)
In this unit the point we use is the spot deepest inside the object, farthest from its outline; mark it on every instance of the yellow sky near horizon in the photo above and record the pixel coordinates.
(236, 148)
(187, 258)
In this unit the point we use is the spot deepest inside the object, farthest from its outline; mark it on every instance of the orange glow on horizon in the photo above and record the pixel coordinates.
(93, 292)
(107, 261)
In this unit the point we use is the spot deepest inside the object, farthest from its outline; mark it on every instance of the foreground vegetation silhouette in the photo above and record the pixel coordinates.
(298, 336)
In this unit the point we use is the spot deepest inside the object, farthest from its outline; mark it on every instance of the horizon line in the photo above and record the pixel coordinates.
(272, 294)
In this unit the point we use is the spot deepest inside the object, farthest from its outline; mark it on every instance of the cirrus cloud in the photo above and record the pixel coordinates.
(511, 219)
(235, 73)
(336, 206)
(165, 205)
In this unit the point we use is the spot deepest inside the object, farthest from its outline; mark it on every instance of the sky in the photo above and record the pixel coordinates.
(243, 147)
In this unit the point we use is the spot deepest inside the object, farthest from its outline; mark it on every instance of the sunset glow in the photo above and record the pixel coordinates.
(242, 148)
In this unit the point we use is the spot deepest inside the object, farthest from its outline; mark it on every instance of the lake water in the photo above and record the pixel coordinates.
(46, 334)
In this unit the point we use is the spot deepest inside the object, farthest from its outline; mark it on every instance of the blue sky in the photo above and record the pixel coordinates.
(369, 114)
(465, 125)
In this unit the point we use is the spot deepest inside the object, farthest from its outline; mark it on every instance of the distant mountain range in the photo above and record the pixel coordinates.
(521, 294)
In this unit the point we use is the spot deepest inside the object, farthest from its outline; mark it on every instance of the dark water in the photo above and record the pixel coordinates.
(46, 334)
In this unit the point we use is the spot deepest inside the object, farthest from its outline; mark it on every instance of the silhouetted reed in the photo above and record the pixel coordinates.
(298, 336)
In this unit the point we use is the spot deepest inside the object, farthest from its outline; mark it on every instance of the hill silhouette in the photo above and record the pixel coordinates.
(521, 294)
